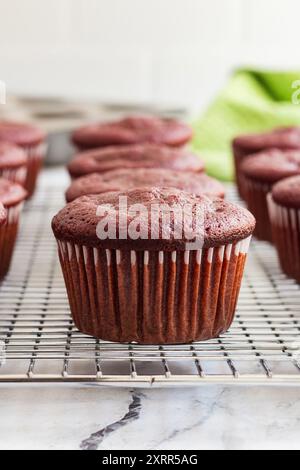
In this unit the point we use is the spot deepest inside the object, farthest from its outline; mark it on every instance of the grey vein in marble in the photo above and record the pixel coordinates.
(206, 408)
(133, 413)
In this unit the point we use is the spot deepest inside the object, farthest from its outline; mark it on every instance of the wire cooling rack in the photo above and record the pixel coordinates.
(40, 342)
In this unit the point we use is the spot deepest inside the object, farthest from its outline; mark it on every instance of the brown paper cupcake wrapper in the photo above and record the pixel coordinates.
(255, 195)
(153, 297)
(16, 175)
(285, 224)
(35, 155)
(8, 235)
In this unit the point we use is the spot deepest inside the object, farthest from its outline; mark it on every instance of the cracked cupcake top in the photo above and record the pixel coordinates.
(106, 220)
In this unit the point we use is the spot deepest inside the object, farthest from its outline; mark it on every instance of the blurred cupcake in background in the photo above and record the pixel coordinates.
(284, 210)
(133, 130)
(259, 173)
(32, 140)
(285, 138)
(120, 180)
(134, 156)
(13, 163)
(12, 196)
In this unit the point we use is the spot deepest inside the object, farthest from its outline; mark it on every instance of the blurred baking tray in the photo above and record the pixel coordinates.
(41, 343)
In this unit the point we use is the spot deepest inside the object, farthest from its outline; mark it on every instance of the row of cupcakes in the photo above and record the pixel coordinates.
(268, 177)
(22, 148)
(148, 289)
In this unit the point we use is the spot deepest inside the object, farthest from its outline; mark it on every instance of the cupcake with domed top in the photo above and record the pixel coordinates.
(134, 156)
(283, 138)
(120, 180)
(133, 130)
(141, 273)
(260, 172)
(284, 212)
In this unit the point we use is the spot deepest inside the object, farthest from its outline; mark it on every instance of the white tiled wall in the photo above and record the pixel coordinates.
(171, 51)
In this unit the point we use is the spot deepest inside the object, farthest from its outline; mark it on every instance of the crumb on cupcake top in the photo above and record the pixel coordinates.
(133, 130)
(122, 179)
(134, 156)
(272, 165)
(214, 220)
(11, 156)
(287, 192)
(20, 133)
(281, 138)
(11, 193)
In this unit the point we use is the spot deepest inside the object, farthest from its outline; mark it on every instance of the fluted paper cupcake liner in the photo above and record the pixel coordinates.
(35, 155)
(255, 195)
(152, 297)
(16, 175)
(8, 235)
(285, 224)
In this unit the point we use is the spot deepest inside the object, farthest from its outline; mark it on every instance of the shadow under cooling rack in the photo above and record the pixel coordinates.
(40, 342)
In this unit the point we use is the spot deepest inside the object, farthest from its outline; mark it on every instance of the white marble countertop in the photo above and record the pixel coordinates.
(94, 417)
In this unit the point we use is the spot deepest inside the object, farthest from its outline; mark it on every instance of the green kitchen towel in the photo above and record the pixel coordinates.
(252, 101)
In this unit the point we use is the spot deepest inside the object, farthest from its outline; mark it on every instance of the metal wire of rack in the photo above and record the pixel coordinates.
(41, 343)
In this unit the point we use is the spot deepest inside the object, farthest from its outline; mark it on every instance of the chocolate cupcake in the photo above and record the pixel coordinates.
(284, 210)
(13, 163)
(260, 172)
(132, 157)
(133, 130)
(157, 278)
(285, 138)
(32, 140)
(12, 196)
(120, 180)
